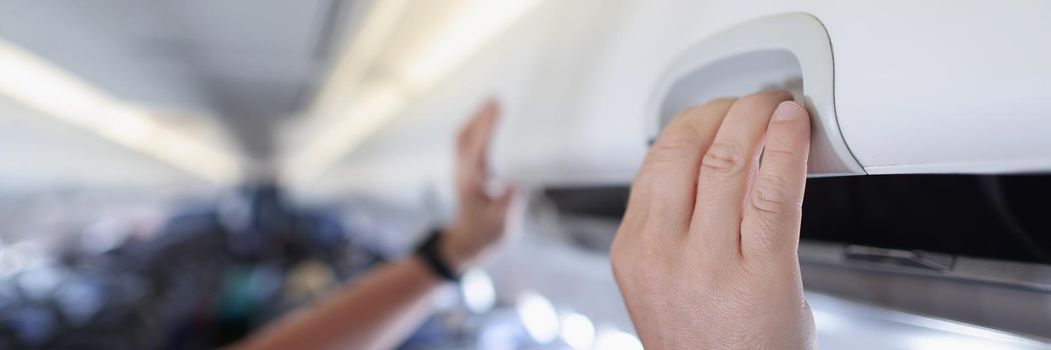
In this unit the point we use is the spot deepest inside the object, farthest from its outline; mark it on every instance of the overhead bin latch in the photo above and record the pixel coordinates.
(788, 51)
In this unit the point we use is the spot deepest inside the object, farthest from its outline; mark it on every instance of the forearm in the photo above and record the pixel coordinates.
(376, 312)
(379, 310)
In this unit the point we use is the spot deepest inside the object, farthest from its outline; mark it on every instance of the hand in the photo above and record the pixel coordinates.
(706, 255)
(480, 219)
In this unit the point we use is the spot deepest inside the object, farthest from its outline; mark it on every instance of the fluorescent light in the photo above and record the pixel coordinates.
(370, 110)
(337, 129)
(478, 23)
(39, 85)
(361, 52)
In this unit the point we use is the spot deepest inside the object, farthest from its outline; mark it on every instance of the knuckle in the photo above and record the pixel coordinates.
(787, 154)
(671, 151)
(768, 195)
(723, 159)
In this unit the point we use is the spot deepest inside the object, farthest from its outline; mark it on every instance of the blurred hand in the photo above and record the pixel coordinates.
(706, 255)
(480, 219)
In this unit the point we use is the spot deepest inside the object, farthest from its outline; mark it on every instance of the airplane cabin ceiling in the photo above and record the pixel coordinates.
(249, 61)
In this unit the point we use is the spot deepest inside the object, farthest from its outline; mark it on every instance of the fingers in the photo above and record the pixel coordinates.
(672, 164)
(726, 170)
(773, 209)
(487, 116)
(476, 160)
(472, 143)
(466, 138)
(475, 134)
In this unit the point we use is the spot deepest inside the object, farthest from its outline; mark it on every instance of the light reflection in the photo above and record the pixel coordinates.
(577, 331)
(955, 342)
(478, 292)
(613, 339)
(538, 316)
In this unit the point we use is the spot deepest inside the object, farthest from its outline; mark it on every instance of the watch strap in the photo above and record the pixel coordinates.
(428, 252)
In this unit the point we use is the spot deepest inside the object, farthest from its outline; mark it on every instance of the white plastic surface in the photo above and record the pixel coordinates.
(790, 51)
(919, 87)
(944, 86)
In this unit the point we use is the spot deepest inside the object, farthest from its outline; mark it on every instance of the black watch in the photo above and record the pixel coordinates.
(428, 252)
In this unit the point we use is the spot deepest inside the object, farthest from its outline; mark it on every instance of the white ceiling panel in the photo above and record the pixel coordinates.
(248, 61)
(38, 153)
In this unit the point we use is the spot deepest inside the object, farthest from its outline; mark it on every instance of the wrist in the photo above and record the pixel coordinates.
(433, 255)
(454, 251)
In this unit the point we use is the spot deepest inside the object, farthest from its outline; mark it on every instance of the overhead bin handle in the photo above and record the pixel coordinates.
(788, 51)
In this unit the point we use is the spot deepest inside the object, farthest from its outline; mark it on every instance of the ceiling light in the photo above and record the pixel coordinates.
(477, 23)
(368, 112)
(361, 51)
(39, 85)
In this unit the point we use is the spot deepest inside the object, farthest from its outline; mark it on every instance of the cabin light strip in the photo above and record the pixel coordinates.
(360, 52)
(36, 83)
(374, 103)
(478, 23)
(372, 108)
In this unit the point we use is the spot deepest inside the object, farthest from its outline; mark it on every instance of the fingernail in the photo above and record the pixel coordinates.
(787, 110)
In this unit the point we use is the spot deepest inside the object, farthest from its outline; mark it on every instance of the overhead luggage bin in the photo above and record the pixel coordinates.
(895, 88)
